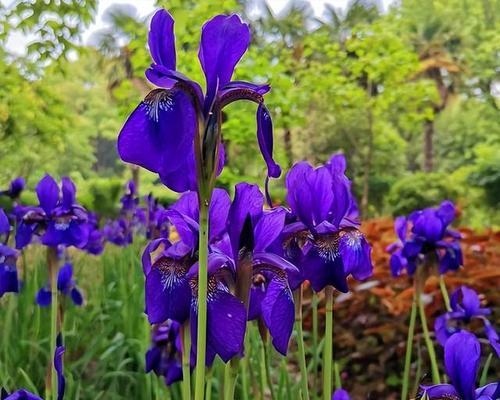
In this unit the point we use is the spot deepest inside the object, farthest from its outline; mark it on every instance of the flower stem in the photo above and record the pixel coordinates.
(484, 373)
(230, 376)
(267, 358)
(428, 341)
(186, 367)
(444, 292)
(409, 348)
(300, 343)
(336, 373)
(201, 338)
(244, 373)
(51, 392)
(208, 389)
(328, 351)
(315, 358)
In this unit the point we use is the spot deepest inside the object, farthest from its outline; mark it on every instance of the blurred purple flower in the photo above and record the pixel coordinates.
(157, 219)
(322, 235)
(8, 259)
(15, 188)
(159, 135)
(462, 355)
(118, 232)
(164, 357)
(58, 219)
(65, 285)
(465, 306)
(341, 394)
(425, 236)
(96, 239)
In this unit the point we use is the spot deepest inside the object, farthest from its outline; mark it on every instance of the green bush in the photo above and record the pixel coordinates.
(101, 195)
(418, 191)
(486, 174)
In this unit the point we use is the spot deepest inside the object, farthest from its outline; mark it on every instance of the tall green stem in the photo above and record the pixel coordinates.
(409, 348)
(315, 358)
(267, 360)
(201, 337)
(230, 375)
(186, 367)
(428, 342)
(300, 343)
(328, 351)
(208, 389)
(52, 265)
(444, 292)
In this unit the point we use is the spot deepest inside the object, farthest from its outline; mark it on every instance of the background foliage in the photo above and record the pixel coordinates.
(409, 95)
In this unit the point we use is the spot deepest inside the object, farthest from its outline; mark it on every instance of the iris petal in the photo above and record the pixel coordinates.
(161, 39)
(48, 193)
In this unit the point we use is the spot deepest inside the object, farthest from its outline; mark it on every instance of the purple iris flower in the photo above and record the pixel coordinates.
(262, 273)
(118, 232)
(65, 285)
(130, 200)
(322, 235)
(21, 394)
(462, 354)
(341, 394)
(160, 133)
(167, 290)
(164, 357)
(58, 219)
(465, 306)
(15, 188)
(424, 237)
(8, 259)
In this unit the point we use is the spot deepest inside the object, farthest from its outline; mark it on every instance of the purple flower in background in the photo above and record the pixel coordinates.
(157, 219)
(322, 234)
(130, 200)
(96, 239)
(58, 219)
(462, 354)
(21, 394)
(262, 274)
(118, 232)
(165, 355)
(341, 394)
(65, 285)
(425, 237)
(15, 188)
(160, 133)
(8, 259)
(465, 306)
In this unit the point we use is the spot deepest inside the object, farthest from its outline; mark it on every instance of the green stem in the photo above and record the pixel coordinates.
(328, 351)
(428, 342)
(262, 370)
(409, 348)
(244, 373)
(484, 373)
(336, 372)
(267, 357)
(315, 358)
(201, 338)
(444, 292)
(52, 264)
(230, 376)
(300, 343)
(208, 389)
(186, 367)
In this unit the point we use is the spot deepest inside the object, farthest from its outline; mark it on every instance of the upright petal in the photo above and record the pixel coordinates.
(470, 301)
(462, 354)
(48, 193)
(4, 223)
(8, 280)
(428, 225)
(400, 227)
(224, 40)
(161, 39)
(269, 228)
(265, 140)
(68, 192)
(218, 212)
(356, 254)
(446, 212)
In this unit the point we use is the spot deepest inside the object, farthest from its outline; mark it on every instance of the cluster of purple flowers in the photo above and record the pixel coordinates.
(425, 237)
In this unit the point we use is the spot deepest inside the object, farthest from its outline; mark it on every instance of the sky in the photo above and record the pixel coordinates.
(17, 41)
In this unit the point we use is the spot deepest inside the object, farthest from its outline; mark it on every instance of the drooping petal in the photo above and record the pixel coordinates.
(48, 193)
(21, 394)
(76, 296)
(161, 39)
(356, 254)
(278, 312)
(398, 263)
(224, 40)
(226, 324)
(488, 392)
(58, 366)
(159, 134)
(322, 271)
(462, 354)
(341, 394)
(8, 280)
(65, 233)
(167, 291)
(438, 392)
(401, 227)
(492, 336)
(150, 248)
(44, 297)
(265, 140)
